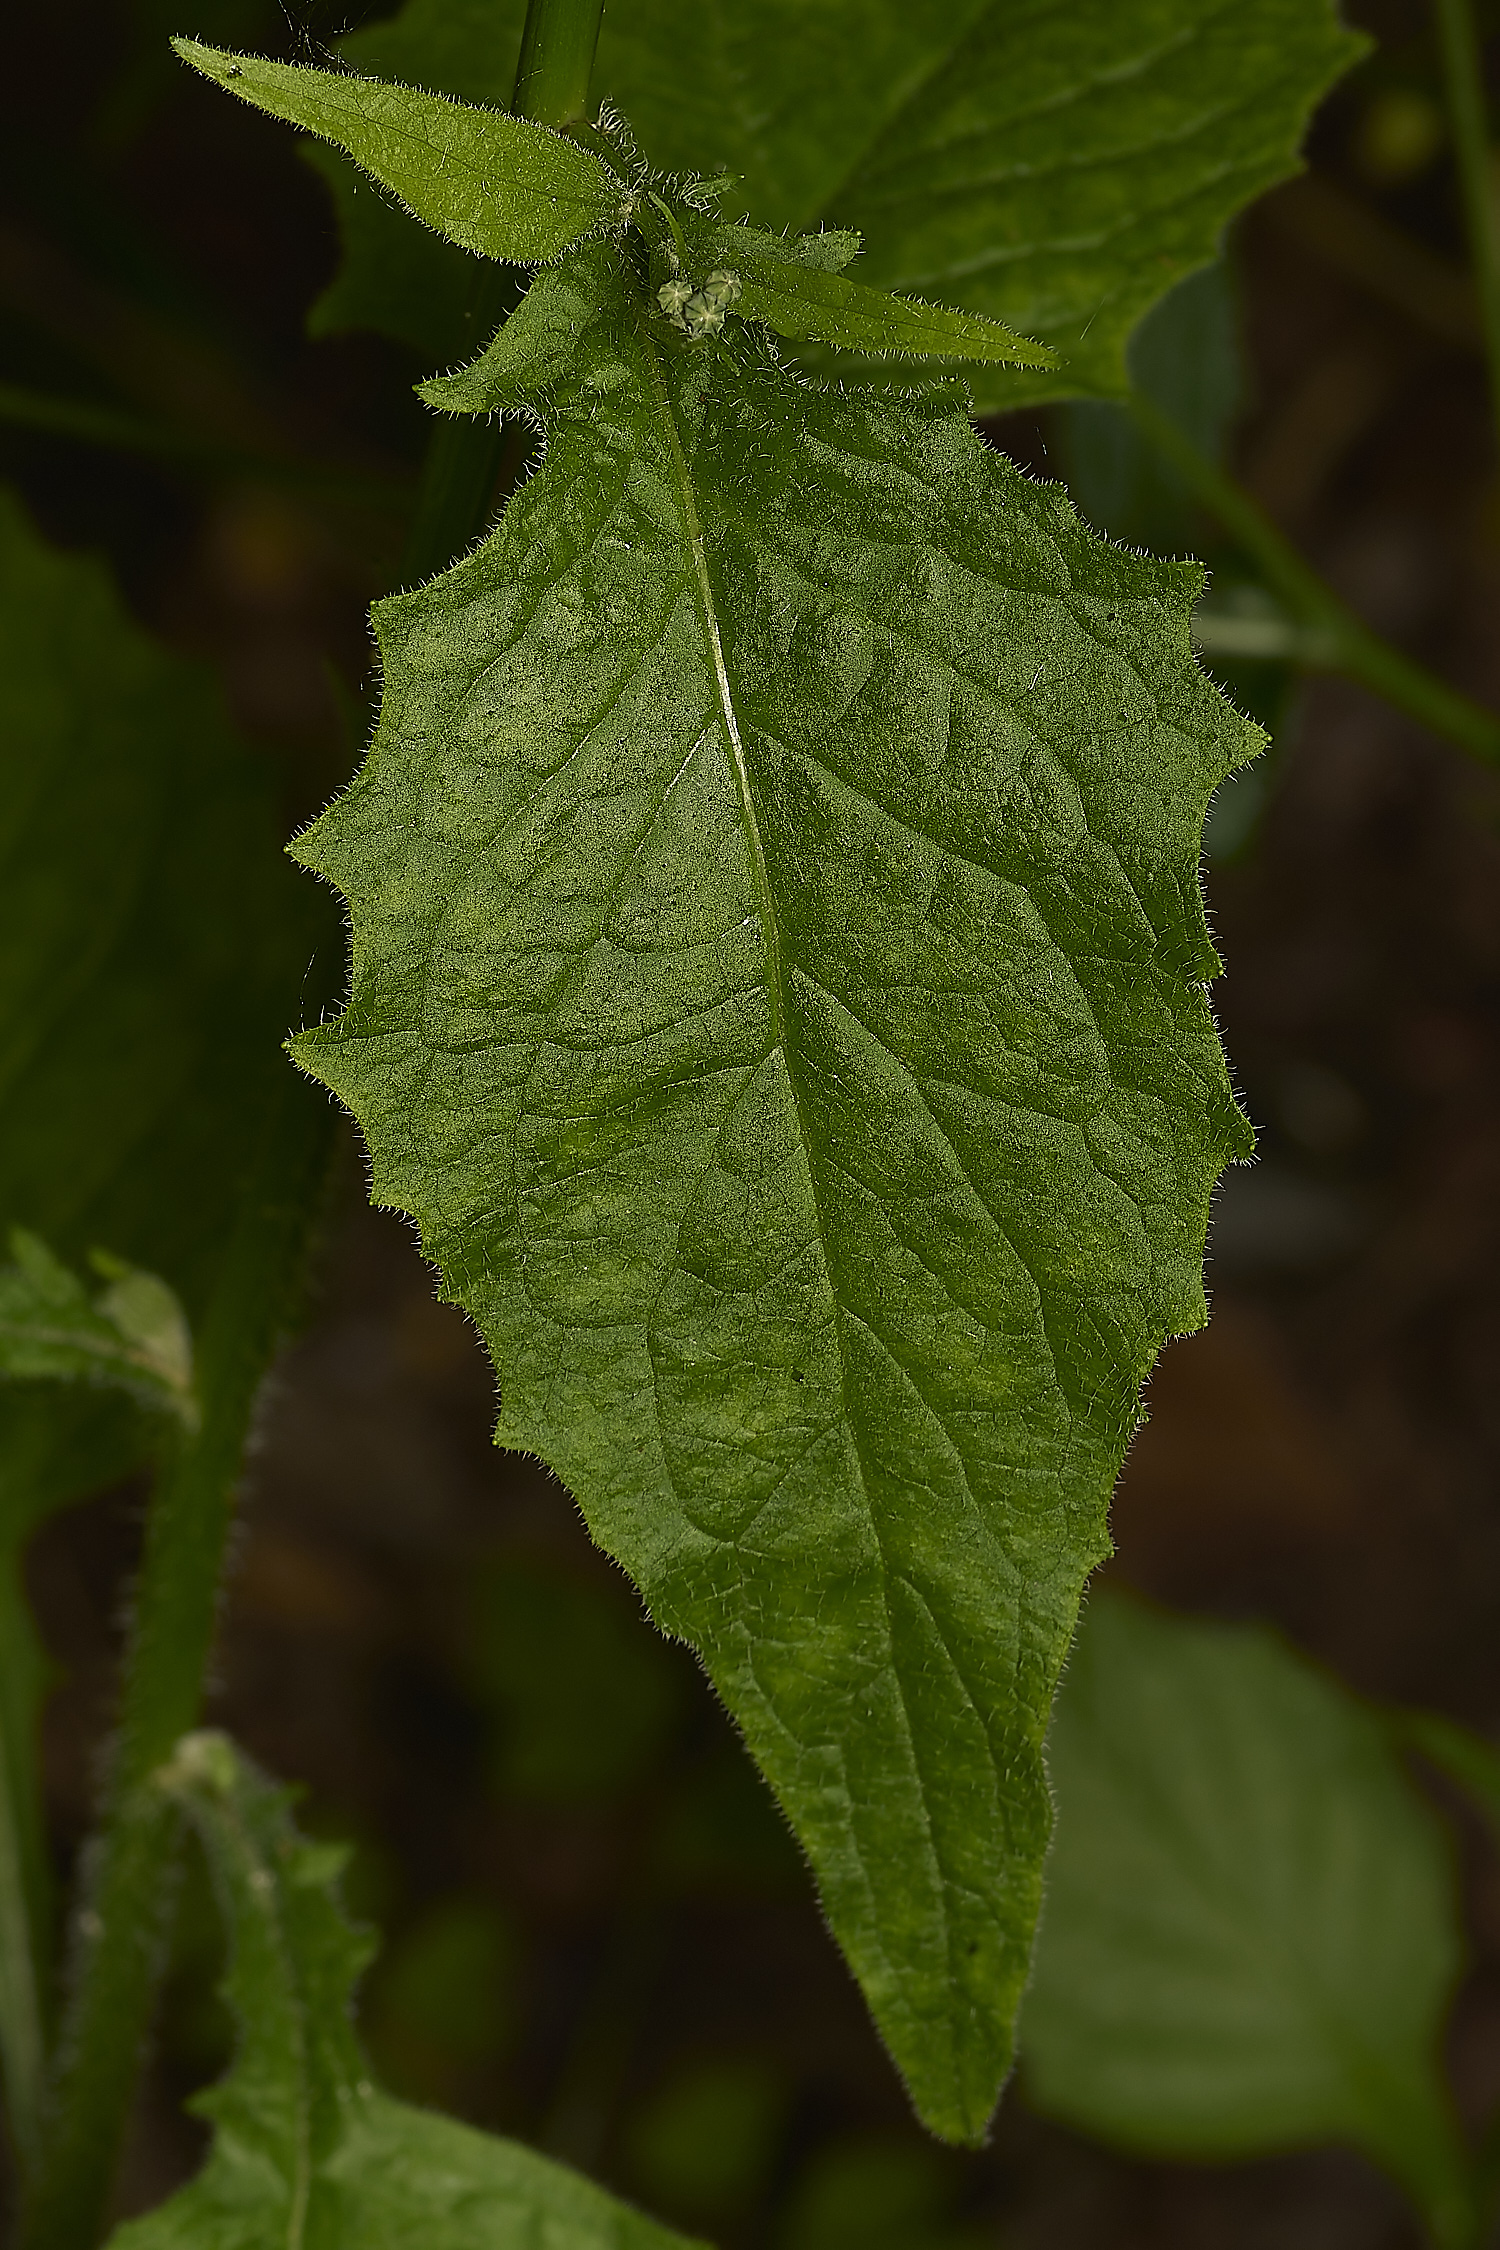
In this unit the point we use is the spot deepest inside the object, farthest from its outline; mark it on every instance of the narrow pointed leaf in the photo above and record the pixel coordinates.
(494, 184)
(1250, 1939)
(1057, 166)
(828, 308)
(306, 2149)
(795, 285)
(778, 993)
(793, 298)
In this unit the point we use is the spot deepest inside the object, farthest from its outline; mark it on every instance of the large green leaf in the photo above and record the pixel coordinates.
(305, 2149)
(1250, 1938)
(154, 948)
(1056, 164)
(777, 992)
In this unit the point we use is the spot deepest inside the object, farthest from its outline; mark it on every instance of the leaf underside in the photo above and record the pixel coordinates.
(306, 2150)
(777, 993)
(1058, 165)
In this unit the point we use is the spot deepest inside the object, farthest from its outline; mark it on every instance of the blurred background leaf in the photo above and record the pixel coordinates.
(1250, 1939)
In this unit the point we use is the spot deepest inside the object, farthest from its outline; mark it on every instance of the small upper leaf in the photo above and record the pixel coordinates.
(1249, 1938)
(827, 308)
(498, 185)
(794, 286)
(305, 2149)
(1056, 166)
(133, 1334)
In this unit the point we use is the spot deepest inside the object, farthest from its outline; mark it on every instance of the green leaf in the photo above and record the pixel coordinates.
(305, 2149)
(793, 285)
(497, 185)
(155, 947)
(827, 308)
(1068, 161)
(1250, 1936)
(133, 1334)
(1057, 165)
(778, 994)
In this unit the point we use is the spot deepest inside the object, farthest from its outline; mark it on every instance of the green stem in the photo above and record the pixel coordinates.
(1350, 646)
(557, 60)
(22, 2062)
(172, 1631)
(1463, 69)
(467, 455)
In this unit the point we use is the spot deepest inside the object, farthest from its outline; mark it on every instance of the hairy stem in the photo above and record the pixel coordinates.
(1463, 70)
(1345, 644)
(120, 1928)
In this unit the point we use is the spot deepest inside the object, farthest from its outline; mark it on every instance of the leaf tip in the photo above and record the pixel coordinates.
(210, 62)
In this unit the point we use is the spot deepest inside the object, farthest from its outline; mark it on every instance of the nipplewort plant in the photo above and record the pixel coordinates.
(778, 992)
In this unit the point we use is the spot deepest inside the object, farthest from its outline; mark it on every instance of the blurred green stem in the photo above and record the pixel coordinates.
(21, 2054)
(120, 1928)
(1350, 646)
(1464, 72)
(466, 454)
(557, 60)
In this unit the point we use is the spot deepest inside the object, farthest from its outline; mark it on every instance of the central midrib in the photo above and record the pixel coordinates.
(708, 612)
(777, 999)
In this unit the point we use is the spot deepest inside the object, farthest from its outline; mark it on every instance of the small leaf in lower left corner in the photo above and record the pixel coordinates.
(306, 2150)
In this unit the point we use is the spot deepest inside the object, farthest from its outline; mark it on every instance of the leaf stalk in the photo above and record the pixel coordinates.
(1344, 644)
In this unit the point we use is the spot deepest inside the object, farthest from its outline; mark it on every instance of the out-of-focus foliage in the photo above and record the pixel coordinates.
(131, 1335)
(305, 2149)
(585, 1699)
(705, 2142)
(154, 953)
(1250, 1938)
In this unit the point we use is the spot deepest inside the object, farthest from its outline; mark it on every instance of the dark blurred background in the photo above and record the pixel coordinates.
(597, 1934)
